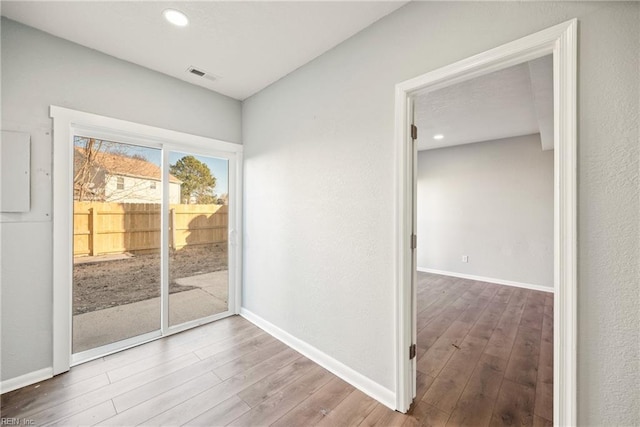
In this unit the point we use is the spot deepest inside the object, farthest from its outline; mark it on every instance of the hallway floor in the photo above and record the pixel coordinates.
(485, 352)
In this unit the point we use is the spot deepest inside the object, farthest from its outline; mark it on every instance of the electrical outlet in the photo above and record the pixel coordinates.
(465, 258)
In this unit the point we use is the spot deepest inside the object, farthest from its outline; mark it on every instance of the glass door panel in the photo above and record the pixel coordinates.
(117, 207)
(198, 237)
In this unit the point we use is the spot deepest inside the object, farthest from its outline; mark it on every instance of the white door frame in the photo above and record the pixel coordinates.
(561, 42)
(66, 123)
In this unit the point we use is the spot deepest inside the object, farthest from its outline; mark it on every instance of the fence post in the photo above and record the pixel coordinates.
(172, 227)
(93, 229)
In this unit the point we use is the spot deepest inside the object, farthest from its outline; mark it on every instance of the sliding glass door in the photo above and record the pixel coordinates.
(198, 241)
(151, 249)
(117, 210)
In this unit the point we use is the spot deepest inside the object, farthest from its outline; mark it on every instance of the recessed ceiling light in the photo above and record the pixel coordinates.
(438, 136)
(176, 17)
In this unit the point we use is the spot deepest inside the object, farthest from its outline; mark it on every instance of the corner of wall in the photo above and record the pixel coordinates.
(356, 379)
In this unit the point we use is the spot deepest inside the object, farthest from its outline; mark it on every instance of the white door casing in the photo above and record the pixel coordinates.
(561, 42)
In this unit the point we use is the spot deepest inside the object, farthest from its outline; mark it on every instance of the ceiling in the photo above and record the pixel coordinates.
(507, 103)
(246, 46)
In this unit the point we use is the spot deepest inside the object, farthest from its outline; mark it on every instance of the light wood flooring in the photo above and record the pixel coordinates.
(485, 358)
(485, 353)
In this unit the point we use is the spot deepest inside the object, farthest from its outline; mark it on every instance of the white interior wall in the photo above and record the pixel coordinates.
(491, 201)
(320, 171)
(39, 70)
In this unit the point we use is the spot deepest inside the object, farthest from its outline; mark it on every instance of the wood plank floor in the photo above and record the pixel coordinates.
(487, 352)
(485, 358)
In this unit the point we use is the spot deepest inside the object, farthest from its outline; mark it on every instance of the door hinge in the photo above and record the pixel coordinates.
(412, 351)
(414, 132)
(414, 241)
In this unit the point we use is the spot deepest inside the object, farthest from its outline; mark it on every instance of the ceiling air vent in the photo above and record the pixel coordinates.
(201, 73)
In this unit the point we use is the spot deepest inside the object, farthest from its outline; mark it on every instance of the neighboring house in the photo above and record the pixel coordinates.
(113, 177)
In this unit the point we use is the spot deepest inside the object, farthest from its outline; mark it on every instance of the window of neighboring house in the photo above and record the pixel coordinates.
(120, 183)
(152, 185)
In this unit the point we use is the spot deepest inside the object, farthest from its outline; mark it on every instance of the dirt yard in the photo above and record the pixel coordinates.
(106, 284)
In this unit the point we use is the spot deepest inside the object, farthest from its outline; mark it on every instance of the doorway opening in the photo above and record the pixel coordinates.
(484, 222)
(560, 42)
(147, 225)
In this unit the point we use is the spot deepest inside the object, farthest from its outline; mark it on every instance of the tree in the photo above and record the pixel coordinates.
(197, 180)
(85, 169)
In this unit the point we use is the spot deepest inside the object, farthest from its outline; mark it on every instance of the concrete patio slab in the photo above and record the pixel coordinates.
(216, 284)
(101, 327)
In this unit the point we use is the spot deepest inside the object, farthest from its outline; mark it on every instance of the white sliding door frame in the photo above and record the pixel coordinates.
(561, 42)
(68, 123)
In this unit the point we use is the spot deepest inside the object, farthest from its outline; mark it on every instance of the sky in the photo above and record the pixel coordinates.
(219, 167)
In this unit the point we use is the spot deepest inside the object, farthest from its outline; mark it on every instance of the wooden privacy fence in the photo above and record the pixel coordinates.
(112, 228)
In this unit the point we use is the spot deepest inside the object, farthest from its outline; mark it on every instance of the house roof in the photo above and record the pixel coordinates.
(123, 165)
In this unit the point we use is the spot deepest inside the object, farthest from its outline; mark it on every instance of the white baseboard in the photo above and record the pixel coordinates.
(25, 380)
(487, 279)
(356, 379)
